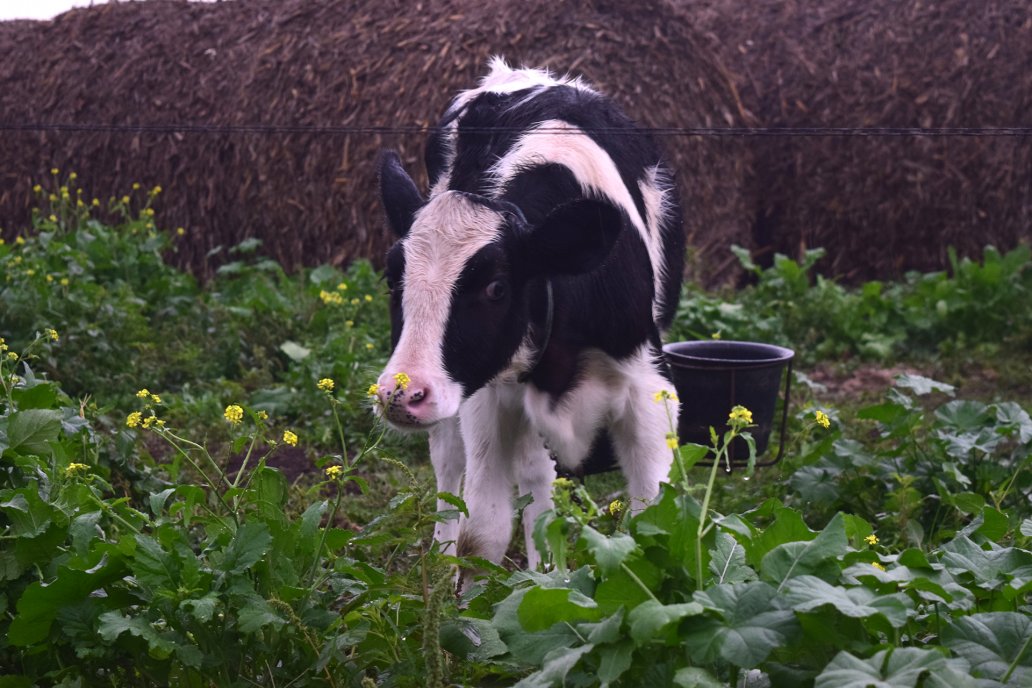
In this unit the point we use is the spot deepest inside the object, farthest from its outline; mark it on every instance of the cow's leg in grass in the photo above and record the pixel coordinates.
(448, 456)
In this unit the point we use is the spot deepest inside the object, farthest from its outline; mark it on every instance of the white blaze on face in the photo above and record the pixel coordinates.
(446, 233)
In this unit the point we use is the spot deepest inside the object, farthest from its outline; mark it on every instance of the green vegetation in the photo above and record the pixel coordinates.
(193, 491)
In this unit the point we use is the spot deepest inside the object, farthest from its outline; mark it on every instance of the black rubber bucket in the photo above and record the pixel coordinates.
(713, 376)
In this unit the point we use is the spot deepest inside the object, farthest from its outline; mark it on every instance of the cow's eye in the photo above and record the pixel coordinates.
(496, 290)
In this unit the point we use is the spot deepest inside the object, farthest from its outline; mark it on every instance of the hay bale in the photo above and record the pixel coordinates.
(884, 205)
(311, 197)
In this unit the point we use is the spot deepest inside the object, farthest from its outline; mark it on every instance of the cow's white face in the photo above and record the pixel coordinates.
(459, 279)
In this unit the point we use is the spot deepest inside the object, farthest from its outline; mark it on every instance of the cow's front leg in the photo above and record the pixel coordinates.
(448, 456)
(535, 475)
(640, 432)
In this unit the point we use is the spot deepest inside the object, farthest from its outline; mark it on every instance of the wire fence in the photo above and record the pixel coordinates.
(331, 130)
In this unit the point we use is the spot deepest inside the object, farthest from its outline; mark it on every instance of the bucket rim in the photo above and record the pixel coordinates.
(677, 356)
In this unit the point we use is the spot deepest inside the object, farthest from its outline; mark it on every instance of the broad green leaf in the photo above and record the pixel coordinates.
(30, 431)
(800, 558)
(555, 668)
(248, 546)
(964, 415)
(615, 661)
(921, 386)
(609, 551)
(39, 604)
(748, 629)
(84, 530)
(202, 608)
(788, 526)
(153, 566)
(472, 638)
(605, 631)
(649, 618)
(29, 515)
(806, 593)
(529, 649)
(907, 667)
(1026, 527)
(727, 561)
(542, 608)
(696, 677)
(257, 614)
(1015, 419)
(987, 566)
(113, 624)
(997, 644)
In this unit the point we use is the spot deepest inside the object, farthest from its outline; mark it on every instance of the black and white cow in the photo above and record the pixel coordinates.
(528, 293)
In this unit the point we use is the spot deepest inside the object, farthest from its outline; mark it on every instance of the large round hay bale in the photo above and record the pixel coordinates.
(882, 205)
(311, 195)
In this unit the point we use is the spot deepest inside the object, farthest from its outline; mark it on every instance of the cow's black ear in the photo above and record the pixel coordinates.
(574, 238)
(399, 194)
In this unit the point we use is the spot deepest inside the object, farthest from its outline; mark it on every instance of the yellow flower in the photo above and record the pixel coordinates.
(143, 393)
(671, 440)
(333, 472)
(149, 421)
(95, 202)
(325, 384)
(563, 484)
(349, 323)
(75, 469)
(871, 539)
(616, 507)
(180, 231)
(125, 200)
(234, 414)
(715, 335)
(64, 282)
(262, 415)
(821, 418)
(52, 334)
(50, 278)
(37, 188)
(373, 390)
(155, 399)
(52, 218)
(136, 186)
(155, 191)
(291, 439)
(3, 345)
(11, 356)
(355, 302)
(740, 416)
(368, 298)
(331, 298)
(343, 286)
(664, 395)
(19, 240)
(369, 346)
(877, 565)
(54, 171)
(403, 380)
(73, 176)
(134, 419)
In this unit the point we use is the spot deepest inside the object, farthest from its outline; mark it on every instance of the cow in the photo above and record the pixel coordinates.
(528, 294)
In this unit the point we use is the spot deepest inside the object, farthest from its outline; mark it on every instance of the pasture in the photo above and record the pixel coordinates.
(194, 491)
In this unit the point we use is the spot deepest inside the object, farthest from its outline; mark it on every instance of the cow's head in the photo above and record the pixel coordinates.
(458, 279)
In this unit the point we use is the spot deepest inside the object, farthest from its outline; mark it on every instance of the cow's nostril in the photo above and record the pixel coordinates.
(418, 396)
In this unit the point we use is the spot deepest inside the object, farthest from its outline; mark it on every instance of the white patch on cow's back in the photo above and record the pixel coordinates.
(500, 79)
(445, 234)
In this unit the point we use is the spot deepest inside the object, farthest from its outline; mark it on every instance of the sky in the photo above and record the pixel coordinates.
(40, 9)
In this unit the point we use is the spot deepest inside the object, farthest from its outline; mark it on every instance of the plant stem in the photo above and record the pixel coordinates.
(701, 533)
